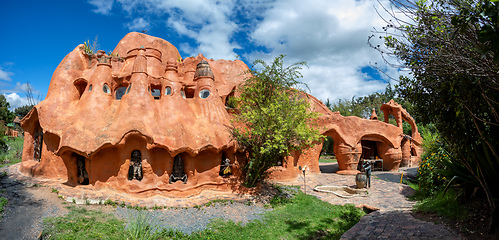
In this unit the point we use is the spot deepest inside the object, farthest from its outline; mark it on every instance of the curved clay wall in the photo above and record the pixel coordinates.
(145, 121)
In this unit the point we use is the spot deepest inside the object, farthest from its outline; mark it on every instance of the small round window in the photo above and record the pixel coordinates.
(168, 91)
(106, 89)
(183, 94)
(90, 88)
(205, 93)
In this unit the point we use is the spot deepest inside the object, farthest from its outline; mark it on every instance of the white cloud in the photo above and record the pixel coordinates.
(4, 75)
(103, 6)
(21, 88)
(138, 24)
(207, 22)
(15, 100)
(331, 36)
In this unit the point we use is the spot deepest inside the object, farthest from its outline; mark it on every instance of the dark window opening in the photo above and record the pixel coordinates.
(82, 171)
(120, 92)
(135, 169)
(189, 92)
(90, 88)
(413, 152)
(155, 91)
(81, 85)
(38, 144)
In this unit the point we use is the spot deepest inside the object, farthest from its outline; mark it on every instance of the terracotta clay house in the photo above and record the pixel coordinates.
(145, 121)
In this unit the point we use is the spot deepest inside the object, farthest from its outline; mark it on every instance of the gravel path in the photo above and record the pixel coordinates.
(189, 220)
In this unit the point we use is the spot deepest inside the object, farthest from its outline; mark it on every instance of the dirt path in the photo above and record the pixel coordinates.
(27, 205)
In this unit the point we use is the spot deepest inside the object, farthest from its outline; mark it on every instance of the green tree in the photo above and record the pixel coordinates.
(22, 111)
(453, 84)
(363, 106)
(274, 118)
(5, 114)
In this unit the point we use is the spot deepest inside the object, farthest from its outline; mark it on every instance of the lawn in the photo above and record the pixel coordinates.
(14, 155)
(327, 159)
(301, 217)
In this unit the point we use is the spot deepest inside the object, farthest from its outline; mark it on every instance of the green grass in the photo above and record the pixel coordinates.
(14, 155)
(3, 202)
(301, 217)
(327, 159)
(444, 205)
(83, 224)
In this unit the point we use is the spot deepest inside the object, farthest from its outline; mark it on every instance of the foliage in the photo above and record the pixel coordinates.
(3, 202)
(140, 226)
(14, 154)
(5, 114)
(454, 81)
(91, 49)
(446, 205)
(328, 145)
(3, 144)
(430, 172)
(483, 16)
(363, 106)
(275, 118)
(22, 111)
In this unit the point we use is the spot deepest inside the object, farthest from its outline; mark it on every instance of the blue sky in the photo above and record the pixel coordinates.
(331, 36)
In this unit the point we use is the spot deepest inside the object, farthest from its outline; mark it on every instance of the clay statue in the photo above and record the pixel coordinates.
(82, 172)
(37, 146)
(178, 170)
(135, 169)
(225, 170)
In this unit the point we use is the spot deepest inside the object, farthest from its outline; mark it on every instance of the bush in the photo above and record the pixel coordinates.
(431, 173)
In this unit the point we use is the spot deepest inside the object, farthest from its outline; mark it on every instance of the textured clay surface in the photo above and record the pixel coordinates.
(144, 97)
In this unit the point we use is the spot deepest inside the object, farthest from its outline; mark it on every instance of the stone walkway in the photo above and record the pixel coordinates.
(393, 220)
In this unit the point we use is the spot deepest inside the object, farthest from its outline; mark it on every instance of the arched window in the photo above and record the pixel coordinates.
(80, 85)
(155, 91)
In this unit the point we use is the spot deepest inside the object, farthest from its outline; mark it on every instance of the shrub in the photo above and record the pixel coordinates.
(431, 175)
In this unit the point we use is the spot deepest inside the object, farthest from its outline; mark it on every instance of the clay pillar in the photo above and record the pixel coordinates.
(391, 156)
(406, 153)
(387, 116)
(347, 157)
